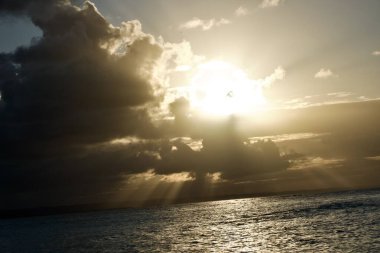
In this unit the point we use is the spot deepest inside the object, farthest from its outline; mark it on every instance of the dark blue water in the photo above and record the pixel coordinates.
(335, 222)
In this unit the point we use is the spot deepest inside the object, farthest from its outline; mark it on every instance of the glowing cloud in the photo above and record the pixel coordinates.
(203, 24)
(324, 74)
(270, 3)
(340, 94)
(278, 74)
(241, 11)
(313, 162)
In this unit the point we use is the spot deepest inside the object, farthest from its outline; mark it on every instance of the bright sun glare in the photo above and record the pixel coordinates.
(220, 88)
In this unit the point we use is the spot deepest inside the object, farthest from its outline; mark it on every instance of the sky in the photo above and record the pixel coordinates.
(135, 101)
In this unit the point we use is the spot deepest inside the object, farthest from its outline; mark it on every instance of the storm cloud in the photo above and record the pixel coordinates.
(84, 81)
(68, 81)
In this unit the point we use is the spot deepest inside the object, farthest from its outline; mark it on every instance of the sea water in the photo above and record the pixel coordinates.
(333, 222)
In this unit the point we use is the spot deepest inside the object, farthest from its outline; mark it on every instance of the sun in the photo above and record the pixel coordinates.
(220, 88)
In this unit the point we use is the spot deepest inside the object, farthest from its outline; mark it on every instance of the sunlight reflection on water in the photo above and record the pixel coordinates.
(338, 222)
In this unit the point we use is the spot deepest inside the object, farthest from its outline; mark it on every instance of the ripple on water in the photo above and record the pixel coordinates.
(342, 222)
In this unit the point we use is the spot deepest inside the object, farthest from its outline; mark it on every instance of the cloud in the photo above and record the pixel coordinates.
(83, 82)
(197, 23)
(316, 162)
(229, 156)
(341, 97)
(150, 176)
(375, 158)
(340, 94)
(20, 7)
(270, 3)
(278, 74)
(376, 53)
(324, 74)
(70, 77)
(288, 137)
(241, 11)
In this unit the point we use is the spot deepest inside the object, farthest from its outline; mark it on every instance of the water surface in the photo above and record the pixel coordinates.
(335, 222)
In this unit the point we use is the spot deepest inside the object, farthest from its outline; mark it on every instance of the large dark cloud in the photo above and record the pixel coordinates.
(224, 151)
(14, 7)
(84, 81)
(68, 80)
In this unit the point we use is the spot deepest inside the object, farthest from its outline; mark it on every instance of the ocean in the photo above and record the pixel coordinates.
(330, 222)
